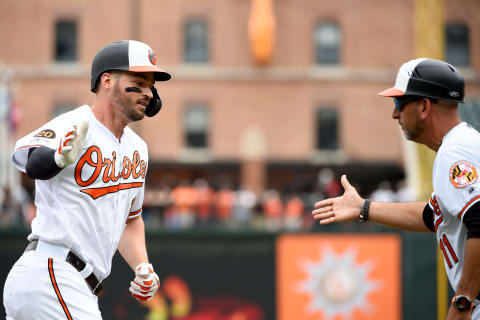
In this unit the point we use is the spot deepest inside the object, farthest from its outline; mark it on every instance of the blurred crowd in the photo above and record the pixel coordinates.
(17, 207)
(200, 204)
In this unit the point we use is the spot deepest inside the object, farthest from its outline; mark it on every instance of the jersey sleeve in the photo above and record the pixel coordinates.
(134, 212)
(428, 216)
(46, 136)
(457, 182)
(471, 219)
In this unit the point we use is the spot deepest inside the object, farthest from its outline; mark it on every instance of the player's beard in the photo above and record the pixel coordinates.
(413, 133)
(126, 104)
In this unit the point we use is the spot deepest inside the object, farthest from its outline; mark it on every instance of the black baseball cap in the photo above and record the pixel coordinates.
(428, 78)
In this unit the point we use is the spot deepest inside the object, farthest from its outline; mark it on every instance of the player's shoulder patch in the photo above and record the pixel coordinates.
(462, 174)
(46, 133)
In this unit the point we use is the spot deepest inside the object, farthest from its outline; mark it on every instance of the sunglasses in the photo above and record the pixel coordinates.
(400, 103)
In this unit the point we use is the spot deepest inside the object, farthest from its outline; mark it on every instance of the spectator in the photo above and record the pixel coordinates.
(245, 201)
(11, 214)
(224, 202)
(272, 206)
(204, 203)
(182, 215)
(155, 201)
(328, 184)
(293, 213)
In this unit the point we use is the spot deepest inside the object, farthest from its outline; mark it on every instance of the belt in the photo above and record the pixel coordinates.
(95, 286)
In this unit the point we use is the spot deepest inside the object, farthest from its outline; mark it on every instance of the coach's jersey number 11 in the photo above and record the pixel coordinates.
(448, 251)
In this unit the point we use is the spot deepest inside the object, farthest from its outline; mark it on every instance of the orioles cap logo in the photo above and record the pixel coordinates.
(151, 57)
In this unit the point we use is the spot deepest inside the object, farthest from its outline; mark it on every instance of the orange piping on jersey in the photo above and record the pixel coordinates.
(131, 205)
(436, 206)
(99, 192)
(466, 207)
(30, 146)
(57, 291)
(439, 220)
(135, 212)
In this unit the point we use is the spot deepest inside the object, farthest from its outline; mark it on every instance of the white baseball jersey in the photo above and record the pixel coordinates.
(456, 189)
(85, 206)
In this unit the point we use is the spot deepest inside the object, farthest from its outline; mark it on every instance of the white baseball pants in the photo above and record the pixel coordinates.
(42, 285)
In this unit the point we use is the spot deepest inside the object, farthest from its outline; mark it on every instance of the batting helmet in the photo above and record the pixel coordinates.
(126, 55)
(129, 55)
(428, 78)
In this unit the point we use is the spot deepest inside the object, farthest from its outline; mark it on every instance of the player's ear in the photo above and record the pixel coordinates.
(107, 80)
(424, 108)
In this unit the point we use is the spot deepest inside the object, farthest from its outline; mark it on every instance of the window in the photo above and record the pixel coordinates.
(326, 129)
(196, 127)
(65, 41)
(196, 41)
(327, 40)
(457, 41)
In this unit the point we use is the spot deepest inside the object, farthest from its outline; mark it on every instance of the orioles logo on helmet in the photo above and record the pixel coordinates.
(151, 57)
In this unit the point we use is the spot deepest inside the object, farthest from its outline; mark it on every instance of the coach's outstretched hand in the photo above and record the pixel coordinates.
(71, 145)
(146, 282)
(344, 208)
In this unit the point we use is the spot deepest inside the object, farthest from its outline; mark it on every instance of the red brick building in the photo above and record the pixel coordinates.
(312, 104)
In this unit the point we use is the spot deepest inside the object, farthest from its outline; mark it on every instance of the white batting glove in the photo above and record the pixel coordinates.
(145, 284)
(71, 145)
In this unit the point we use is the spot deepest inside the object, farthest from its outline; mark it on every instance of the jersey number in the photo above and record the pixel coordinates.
(47, 133)
(445, 245)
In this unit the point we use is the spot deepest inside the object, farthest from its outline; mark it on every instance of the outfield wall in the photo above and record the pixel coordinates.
(284, 276)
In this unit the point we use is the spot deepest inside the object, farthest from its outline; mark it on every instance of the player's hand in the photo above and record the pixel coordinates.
(145, 284)
(344, 208)
(71, 145)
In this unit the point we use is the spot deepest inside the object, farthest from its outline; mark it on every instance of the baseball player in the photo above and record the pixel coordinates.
(89, 169)
(426, 95)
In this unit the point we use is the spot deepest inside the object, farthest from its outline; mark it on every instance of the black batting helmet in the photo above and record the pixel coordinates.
(126, 55)
(428, 78)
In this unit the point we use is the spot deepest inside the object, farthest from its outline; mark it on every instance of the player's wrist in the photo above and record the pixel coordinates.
(145, 265)
(365, 210)
(59, 160)
(463, 303)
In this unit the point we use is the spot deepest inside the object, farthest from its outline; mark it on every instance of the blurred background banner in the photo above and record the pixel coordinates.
(339, 276)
